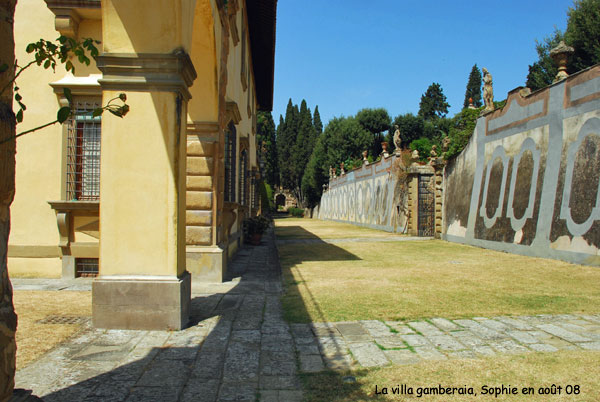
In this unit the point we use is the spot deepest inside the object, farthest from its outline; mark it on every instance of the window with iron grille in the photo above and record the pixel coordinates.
(86, 267)
(230, 142)
(83, 153)
(243, 178)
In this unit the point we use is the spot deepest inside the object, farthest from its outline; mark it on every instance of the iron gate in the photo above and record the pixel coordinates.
(426, 207)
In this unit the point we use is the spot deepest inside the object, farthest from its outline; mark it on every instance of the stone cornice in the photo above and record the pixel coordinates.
(233, 112)
(147, 72)
(68, 14)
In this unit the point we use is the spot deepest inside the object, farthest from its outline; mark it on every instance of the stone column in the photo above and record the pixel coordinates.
(143, 282)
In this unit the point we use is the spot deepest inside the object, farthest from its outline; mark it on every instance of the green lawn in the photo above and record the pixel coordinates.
(419, 279)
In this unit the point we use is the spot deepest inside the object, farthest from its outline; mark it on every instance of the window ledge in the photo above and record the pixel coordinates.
(67, 206)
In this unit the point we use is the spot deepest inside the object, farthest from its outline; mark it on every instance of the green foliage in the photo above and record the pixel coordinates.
(542, 72)
(48, 54)
(583, 33)
(433, 103)
(268, 190)
(423, 145)
(461, 131)
(266, 196)
(473, 88)
(376, 121)
(256, 225)
(296, 212)
(265, 136)
(317, 123)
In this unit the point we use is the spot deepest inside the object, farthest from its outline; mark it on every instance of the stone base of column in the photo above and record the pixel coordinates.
(137, 302)
(207, 263)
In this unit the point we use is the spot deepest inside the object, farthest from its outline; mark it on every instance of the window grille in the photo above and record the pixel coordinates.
(243, 175)
(86, 267)
(83, 153)
(230, 142)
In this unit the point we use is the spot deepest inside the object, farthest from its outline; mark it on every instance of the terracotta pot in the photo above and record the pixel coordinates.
(255, 239)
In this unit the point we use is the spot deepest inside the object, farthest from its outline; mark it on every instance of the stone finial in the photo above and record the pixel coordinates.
(433, 152)
(488, 91)
(560, 54)
(365, 158)
(334, 173)
(384, 147)
(397, 140)
(330, 172)
(414, 158)
(342, 171)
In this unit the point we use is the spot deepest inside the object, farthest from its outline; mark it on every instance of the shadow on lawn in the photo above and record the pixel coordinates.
(191, 366)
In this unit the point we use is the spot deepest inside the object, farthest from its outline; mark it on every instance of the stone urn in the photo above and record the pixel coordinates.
(384, 147)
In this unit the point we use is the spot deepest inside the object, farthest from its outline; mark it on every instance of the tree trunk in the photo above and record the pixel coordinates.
(8, 318)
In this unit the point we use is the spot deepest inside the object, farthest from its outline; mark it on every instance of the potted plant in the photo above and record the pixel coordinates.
(255, 227)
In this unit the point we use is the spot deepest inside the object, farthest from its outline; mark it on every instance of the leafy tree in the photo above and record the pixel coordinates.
(542, 72)
(463, 126)
(473, 88)
(433, 103)
(423, 145)
(583, 33)
(411, 128)
(376, 121)
(316, 174)
(265, 127)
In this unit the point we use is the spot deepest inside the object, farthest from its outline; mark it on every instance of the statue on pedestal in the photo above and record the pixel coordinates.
(488, 91)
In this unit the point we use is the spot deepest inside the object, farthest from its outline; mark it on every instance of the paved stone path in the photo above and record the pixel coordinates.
(345, 345)
(239, 348)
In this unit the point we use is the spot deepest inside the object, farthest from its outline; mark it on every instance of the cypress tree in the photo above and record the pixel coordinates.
(317, 121)
(473, 88)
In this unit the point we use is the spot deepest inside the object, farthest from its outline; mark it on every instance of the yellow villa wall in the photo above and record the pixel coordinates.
(39, 154)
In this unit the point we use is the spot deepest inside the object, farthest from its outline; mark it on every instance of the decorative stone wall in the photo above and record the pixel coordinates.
(528, 181)
(375, 196)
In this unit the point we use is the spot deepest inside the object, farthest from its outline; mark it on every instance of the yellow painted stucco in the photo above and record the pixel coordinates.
(138, 158)
(140, 230)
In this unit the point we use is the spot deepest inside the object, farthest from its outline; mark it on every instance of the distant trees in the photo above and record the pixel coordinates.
(583, 34)
(343, 140)
(296, 137)
(473, 88)
(433, 103)
(265, 133)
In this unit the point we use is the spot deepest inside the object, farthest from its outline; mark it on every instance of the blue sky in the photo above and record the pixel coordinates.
(345, 55)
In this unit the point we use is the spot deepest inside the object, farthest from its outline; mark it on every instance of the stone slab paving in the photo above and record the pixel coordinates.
(237, 348)
(375, 343)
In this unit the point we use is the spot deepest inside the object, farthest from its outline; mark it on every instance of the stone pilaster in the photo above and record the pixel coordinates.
(143, 283)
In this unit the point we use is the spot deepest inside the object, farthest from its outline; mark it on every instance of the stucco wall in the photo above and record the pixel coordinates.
(528, 181)
(373, 196)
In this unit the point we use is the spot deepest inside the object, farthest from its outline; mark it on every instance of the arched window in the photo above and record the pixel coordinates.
(243, 175)
(230, 152)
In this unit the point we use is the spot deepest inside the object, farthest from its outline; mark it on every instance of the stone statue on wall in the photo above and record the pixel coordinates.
(397, 140)
(446, 144)
(488, 90)
(365, 155)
